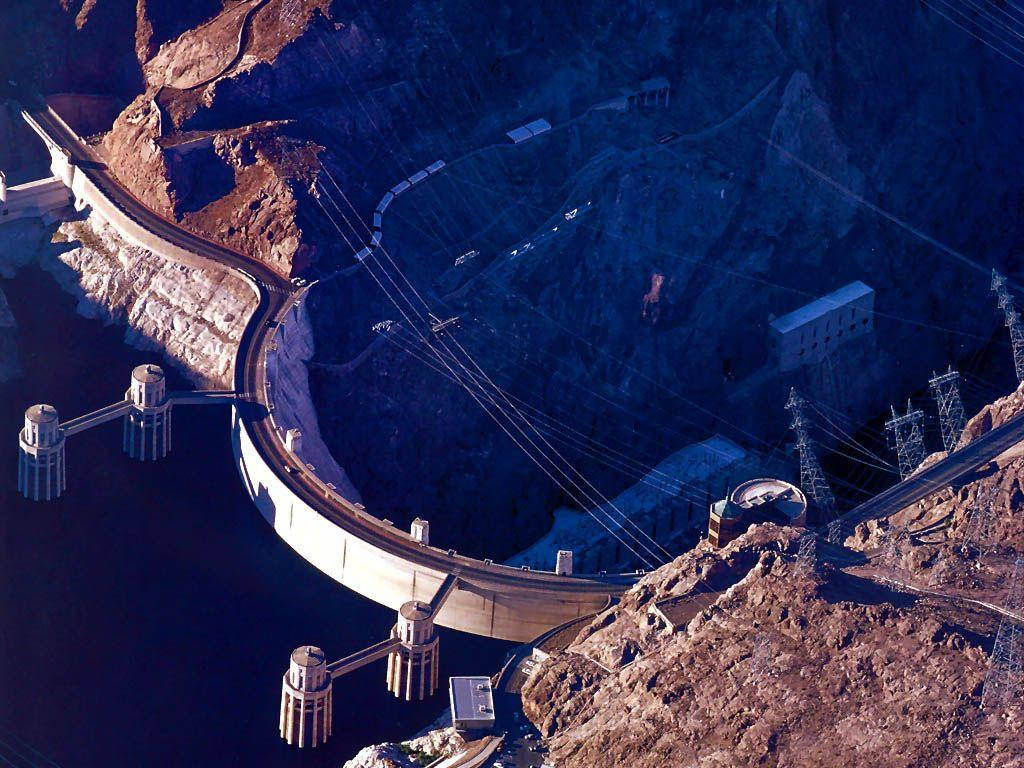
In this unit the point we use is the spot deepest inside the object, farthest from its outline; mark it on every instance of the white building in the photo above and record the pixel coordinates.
(472, 703)
(807, 335)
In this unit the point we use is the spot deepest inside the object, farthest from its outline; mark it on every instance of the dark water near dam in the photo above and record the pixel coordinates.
(146, 618)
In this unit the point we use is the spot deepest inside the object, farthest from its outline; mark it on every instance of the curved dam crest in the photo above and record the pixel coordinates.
(359, 551)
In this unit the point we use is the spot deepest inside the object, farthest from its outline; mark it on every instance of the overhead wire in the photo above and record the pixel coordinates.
(593, 507)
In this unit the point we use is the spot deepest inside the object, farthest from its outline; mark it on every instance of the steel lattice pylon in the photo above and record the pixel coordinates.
(762, 656)
(1012, 320)
(908, 439)
(946, 391)
(979, 530)
(812, 476)
(1006, 665)
(807, 557)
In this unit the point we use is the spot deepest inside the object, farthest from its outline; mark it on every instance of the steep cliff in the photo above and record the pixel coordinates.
(193, 317)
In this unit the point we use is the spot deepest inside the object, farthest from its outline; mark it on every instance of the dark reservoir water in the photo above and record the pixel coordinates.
(147, 617)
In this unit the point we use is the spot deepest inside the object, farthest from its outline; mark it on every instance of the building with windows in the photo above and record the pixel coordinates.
(807, 335)
(764, 500)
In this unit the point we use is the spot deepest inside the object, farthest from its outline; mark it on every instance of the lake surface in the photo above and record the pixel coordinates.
(147, 617)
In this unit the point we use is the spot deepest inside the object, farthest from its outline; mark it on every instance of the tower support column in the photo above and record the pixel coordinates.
(147, 426)
(412, 665)
(306, 699)
(42, 475)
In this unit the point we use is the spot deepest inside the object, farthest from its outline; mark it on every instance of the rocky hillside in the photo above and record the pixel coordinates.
(783, 669)
(961, 539)
(778, 667)
(194, 318)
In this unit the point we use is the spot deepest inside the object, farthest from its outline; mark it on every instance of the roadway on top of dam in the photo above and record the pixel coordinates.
(277, 296)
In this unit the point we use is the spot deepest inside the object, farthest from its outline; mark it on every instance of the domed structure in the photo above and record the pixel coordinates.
(756, 501)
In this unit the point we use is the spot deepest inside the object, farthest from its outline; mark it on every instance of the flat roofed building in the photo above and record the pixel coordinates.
(807, 335)
(538, 126)
(519, 135)
(764, 500)
(472, 702)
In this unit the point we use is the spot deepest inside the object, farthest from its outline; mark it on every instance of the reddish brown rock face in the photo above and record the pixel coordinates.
(836, 670)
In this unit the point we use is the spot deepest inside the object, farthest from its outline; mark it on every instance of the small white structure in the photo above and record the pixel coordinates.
(807, 335)
(41, 470)
(306, 698)
(420, 531)
(293, 440)
(528, 131)
(147, 426)
(563, 562)
(472, 703)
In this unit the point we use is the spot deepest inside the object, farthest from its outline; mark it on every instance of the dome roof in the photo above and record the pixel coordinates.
(416, 610)
(785, 497)
(148, 373)
(42, 414)
(308, 656)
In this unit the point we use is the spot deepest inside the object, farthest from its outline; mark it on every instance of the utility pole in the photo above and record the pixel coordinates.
(1006, 665)
(890, 557)
(812, 477)
(946, 391)
(1012, 320)
(908, 439)
(835, 532)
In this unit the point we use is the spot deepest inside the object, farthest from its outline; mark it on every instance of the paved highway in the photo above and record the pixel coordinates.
(957, 467)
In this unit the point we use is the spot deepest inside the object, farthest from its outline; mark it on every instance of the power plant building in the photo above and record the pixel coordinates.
(807, 335)
(764, 500)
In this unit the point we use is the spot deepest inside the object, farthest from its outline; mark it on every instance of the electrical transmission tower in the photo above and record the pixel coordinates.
(908, 438)
(979, 531)
(835, 532)
(1006, 666)
(812, 477)
(1013, 322)
(946, 391)
(807, 557)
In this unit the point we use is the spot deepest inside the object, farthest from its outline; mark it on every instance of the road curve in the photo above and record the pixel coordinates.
(276, 298)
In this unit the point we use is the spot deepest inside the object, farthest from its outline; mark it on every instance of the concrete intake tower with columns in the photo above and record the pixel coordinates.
(146, 413)
(41, 470)
(147, 426)
(413, 654)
